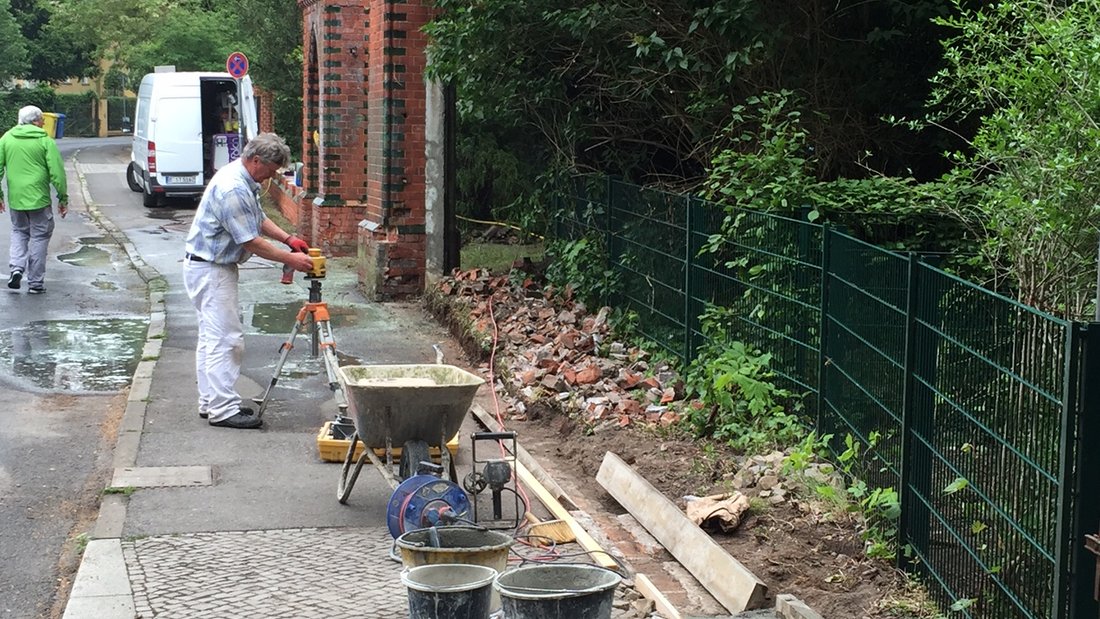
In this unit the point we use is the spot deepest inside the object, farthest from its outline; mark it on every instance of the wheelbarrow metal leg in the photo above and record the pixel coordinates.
(387, 472)
(343, 490)
(446, 460)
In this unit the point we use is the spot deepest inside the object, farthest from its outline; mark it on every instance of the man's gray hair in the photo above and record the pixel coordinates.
(268, 147)
(29, 115)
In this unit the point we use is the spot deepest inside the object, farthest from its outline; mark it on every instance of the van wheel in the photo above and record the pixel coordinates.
(133, 177)
(149, 199)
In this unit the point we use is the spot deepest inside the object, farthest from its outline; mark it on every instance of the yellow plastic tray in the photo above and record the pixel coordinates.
(335, 449)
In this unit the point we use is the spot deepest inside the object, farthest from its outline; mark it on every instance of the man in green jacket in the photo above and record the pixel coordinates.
(32, 162)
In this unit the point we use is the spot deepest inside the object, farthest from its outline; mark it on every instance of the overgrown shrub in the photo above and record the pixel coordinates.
(741, 404)
(12, 100)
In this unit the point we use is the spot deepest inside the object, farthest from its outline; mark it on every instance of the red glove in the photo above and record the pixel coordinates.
(297, 244)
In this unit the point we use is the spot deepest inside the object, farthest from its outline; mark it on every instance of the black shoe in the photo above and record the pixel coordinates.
(15, 279)
(239, 421)
(38, 290)
(243, 411)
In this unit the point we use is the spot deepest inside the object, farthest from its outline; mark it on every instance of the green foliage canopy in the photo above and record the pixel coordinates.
(1031, 69)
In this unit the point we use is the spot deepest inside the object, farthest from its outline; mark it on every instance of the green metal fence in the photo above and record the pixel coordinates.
(971, 405)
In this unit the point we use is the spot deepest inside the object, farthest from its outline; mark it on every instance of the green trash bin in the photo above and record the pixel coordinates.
(49, 123)
(60, 133)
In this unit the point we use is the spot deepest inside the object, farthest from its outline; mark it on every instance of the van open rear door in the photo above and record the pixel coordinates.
(249, 122)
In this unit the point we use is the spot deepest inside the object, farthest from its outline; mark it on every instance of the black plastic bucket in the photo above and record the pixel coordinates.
(566, 591)
(449, 591)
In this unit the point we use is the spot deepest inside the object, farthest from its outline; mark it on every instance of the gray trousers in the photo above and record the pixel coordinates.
(30, 238)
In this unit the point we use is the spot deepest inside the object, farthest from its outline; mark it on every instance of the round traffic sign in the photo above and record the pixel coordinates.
(236, 65)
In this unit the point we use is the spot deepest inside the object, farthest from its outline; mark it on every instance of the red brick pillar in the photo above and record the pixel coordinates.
(265, 101)
(392, 240)
(334, 140)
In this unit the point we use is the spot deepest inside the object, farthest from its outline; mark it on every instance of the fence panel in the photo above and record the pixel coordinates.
(863, 358)
(967, 402)
(768, 271)
(991, 448)
(648, 252)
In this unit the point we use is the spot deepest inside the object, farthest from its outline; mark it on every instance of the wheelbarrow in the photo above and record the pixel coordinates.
(416, 407)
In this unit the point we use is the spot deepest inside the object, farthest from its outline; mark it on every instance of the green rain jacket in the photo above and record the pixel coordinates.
(32, 162)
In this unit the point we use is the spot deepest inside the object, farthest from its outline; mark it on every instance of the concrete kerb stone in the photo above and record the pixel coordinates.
(788, 606)
(102, 587)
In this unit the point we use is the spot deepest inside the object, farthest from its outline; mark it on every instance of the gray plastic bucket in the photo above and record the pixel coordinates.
(449, 591)
(457, 544)
(566, 591)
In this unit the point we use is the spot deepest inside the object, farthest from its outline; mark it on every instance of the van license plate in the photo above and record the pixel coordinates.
(179, 180)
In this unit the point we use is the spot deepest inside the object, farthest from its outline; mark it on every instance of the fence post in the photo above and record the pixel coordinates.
(1076, 575)
(802, 361)
(822, 356)
(610, 234)
(689, 290)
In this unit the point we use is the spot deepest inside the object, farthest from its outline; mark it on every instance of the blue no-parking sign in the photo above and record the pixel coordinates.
(236, 65)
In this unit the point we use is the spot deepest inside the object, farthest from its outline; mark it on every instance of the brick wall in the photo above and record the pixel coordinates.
(266, 120)
(364, 138)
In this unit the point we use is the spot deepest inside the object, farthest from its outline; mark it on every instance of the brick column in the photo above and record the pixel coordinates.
(334, 145)
(392, 242)
(265, 101)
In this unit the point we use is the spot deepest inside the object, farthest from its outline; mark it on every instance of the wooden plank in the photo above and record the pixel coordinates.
(526, 459)
(730, 582)
(598, 554)
(660, 603)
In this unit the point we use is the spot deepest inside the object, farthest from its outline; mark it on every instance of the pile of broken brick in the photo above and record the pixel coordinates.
(549, 346)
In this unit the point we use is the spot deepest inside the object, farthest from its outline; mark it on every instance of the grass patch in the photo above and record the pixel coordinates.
(81, 542)
(498, 257)
(123, 490)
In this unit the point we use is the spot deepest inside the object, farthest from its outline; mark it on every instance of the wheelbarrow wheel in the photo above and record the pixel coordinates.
(412, 454)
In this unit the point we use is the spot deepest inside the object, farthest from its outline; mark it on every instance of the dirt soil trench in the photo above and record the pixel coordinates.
(793, 544)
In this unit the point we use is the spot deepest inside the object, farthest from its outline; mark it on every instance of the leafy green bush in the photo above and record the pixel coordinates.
(742, 405)
(12, 100)
(581, 265)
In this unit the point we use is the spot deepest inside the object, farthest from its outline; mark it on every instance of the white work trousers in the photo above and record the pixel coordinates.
(30, 238)
(212, 289)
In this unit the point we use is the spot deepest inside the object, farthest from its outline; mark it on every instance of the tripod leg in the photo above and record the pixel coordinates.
(328, 350)
(284, 352)
(314, 335)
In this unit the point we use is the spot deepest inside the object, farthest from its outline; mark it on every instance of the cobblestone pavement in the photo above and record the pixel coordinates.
(291, 574)
(279, 574)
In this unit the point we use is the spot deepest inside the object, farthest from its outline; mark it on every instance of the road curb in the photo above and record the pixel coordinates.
(101, 589)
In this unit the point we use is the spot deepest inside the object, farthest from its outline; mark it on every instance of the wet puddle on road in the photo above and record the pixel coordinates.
(278, 318)
(87, 257)
(74, 355)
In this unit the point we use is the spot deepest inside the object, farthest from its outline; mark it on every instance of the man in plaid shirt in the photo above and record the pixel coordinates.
(228, 229)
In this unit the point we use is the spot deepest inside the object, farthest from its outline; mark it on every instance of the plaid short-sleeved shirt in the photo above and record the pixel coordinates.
(229, 215)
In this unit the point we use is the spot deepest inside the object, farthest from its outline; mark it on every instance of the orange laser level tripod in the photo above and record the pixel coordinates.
(314, 314)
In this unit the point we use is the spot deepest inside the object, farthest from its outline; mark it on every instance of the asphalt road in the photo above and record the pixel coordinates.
(65, 359)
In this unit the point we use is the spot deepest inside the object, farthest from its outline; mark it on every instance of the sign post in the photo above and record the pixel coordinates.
(237, 66)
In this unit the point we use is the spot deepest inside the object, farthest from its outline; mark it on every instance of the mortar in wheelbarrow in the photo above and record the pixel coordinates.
(400, 403)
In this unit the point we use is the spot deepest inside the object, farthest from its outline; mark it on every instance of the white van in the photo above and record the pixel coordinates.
(186, 126)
